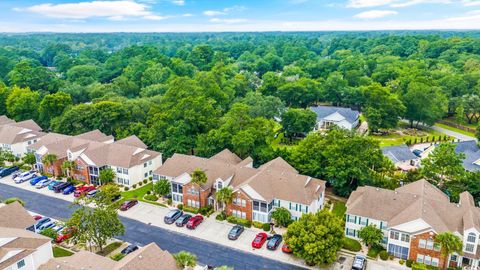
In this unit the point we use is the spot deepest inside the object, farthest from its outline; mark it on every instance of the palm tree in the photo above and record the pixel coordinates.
(68, 166)
(224, 196)
(450, 243)
(185, 259)
(49, 159)
(30, 159)
(199, 177)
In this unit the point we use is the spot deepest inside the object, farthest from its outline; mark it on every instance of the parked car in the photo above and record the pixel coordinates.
(128, 204)
(37, 217)
(53, 184)
(43, 183)
(68, 189)
(42, 221)
(58, 227)
(259, 240)
(235, 232)
(274, 241)
(46, 225)
(65, 234)
(82, 191)
(92, 193)
(60, 187)
(417, 152)
(359, 263)
(172, 216)
(129, 249)
(193, 222)
(7, 171)
(25, 176)
(181, 221)
(286, 249)
(37, 179)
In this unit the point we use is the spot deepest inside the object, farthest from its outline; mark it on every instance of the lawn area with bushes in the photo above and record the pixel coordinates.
(351, 244)
(374, 251)
(139, 194)
(61, 252)
(109, 248)
(339, 209)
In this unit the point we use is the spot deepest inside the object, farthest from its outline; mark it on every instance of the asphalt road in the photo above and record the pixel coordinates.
(143, 234)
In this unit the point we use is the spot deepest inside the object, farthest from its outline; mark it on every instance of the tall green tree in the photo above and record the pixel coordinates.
(162, 187)
(424, 103)
(29, 159)
(22, 104)
(316, 238)
(443, 164)
(371, 235)
(224, 196)
(298, 121)
(382, 108)
(106, 176)
(450, 243)
(282, 216)
(53, 105)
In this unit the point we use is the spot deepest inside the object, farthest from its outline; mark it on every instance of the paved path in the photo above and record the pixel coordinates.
(142, 234)
(460, 136)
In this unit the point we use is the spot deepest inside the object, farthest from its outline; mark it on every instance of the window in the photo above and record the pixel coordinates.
(193, 191)
(146, 175)
(398, 251)
(119, 170)
(150, 172)
(469, 247)
(193, 203)
(125, 171)
(155, 177)
(405, 237)
(429, 244)
(256, 205)
(453, 258)
(420, 258)
(471, 238)
(350, 232)
(145, 164)
(427, 260)
(306, 209)
(263, 207)
(435, 262)
(437, 247)
(394, 235)
(20, 264)
(244, 203)
(219, 185)
(364, 221)
(422, 243)
(350, 219)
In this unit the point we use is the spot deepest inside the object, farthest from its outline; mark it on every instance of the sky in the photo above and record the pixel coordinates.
(235, 15)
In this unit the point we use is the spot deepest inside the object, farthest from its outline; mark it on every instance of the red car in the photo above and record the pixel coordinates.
(128, 204)
(83, 190)
(37, 217)
(259, 240)
(64, 235)
(286, 249)
(193, 222)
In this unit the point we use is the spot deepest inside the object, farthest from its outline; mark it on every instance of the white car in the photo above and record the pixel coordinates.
(43, 183)
(24, 177)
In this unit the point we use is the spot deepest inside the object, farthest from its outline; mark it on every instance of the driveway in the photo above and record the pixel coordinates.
(454, 134)
(144, 224)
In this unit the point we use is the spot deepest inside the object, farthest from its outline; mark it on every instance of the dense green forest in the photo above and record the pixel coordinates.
(201, 93)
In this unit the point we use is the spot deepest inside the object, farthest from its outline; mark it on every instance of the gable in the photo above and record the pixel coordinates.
(335, 117)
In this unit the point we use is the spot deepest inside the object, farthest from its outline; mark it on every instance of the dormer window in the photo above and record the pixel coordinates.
(219, 185)
(472, 238)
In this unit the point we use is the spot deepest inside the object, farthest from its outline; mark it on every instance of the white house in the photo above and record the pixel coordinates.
(343, 117)
(16, 137)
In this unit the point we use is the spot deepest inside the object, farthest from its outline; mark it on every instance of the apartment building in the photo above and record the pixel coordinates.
(150, 257)
(15, 137)
(20, 248)
(93, 152)
(257, 191)
(411, 216)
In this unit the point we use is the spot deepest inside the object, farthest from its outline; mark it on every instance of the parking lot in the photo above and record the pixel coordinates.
(209, 230)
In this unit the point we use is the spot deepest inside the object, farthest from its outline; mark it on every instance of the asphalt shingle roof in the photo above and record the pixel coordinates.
(324, 111)
(472, 154)
(398, 153)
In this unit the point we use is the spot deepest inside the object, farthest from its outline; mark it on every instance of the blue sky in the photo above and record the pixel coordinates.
(235, 15)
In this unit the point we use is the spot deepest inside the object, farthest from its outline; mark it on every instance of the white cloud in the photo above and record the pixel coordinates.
(471, 3)
(187, 15)
(368, 3)
(213, 13)
(419, 2)
(227, 21)
(396, 3)
(179, 2)
(375, 14)
(113, 10)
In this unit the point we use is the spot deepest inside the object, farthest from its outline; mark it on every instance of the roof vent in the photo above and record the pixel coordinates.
(140, 256)
(396, 192)
(377, 189)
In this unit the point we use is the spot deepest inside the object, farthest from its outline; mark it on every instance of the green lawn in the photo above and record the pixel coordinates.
(109, 248)
(339, 209)
(373, 252)
(398, 139)
(455, 130)
(138, 194)
(60, 252)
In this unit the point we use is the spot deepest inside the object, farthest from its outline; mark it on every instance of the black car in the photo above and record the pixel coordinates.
(7, 171)
(235, 232)
(181, 221)
(129, 249)
(274, 241)
(60, 187)
(359, 263)
(172, 216)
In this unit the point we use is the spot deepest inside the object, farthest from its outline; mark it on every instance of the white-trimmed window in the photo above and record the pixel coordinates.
(405, 237)
(420, 258)
(435, 262)
(427, 260)
(429, 244)
(469, 247)
(422, 243)
(21, 264)
(471, 238)
(394, 235)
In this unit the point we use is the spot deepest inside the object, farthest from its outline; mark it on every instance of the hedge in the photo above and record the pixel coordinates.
(206, 210)
(351, 244)
(383, 255)
(151, 197)
(190, 209)
(239, 221)
(221, 216)
(180, 206)
(421, 266)
(409, 263)
(266, 227)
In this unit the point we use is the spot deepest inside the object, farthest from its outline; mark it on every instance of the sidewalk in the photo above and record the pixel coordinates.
(210, 229)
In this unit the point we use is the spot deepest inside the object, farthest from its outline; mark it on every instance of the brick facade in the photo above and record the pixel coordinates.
(415, 248)
(56, 168)
(195, 197)
(247, 209)
(80, 172)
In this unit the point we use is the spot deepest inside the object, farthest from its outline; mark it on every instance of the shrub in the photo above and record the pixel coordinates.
(239, 221)
(150, 178)
(383, 255)
(409, 263)
(151, 197)
(134, 186)
(117, 257)
(391, 257)
(206, 210)
(49, 232)
(266, 227)
(180, 206)
(257, 224)
(351, 244)
(140, 184)
(190, 209)
(14, 199)
(169, 201)
(149, 192)
(222, 216)
(145, 181)
(126, 189)
(374, 250)
(401, 261)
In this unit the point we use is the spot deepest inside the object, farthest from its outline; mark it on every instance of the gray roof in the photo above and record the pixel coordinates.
(472, 154)
(324, 111)
(398, 153)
